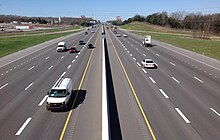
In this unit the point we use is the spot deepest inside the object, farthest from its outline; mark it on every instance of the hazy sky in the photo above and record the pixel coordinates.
(104, 10)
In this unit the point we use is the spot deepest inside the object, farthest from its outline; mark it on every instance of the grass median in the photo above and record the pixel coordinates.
(209, 48)
(10, 45)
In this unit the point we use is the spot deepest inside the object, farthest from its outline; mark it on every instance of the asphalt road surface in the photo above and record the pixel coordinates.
(178, 100)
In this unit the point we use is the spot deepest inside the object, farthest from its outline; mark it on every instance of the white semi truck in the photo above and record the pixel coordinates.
(147, 41)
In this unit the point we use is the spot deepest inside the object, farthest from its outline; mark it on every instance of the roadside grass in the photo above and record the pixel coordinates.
(57, 29)
(13, 44)
(210, 48)
(153, 28)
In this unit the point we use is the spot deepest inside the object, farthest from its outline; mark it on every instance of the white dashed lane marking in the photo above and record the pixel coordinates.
(152, 80)
(41, 103)
(164, 94)
(31, 68)
(144, 70)
(29, 86)
(198, 79)
(175, 80)
(69, 67)
(23, 127)
(50, 67)
(172, 64)
(215, 111)
(182, 115)
(3, 86)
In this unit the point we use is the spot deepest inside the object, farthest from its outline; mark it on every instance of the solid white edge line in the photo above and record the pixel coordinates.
(182, 115)
(29, 86)
(3, 86)
(23, 127)
(175, 80)
(144, 70)
(198, 79)
(164, 94)
(215, 111)
(105, 115)
(152, 80)
(41, 103)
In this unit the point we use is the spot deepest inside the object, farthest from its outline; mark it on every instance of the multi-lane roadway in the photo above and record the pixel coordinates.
(178, 100)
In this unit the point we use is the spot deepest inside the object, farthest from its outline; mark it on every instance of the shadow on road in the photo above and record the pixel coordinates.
(115, 129)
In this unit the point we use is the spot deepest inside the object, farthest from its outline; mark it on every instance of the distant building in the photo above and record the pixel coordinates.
(118, 18)
(82, 16)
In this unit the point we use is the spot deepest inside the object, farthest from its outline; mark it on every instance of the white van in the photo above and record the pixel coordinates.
(59, 95)
(61, 46)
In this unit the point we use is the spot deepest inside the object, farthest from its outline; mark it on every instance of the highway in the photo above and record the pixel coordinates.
(178, 100)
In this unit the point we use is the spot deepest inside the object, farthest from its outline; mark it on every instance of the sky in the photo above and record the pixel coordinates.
(104, 10)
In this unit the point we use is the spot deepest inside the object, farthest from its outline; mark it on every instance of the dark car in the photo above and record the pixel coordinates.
(73, 50)
(86, 33)
(81, 42)
(90, 46)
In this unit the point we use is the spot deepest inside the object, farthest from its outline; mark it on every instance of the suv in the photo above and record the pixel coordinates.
(59, 95)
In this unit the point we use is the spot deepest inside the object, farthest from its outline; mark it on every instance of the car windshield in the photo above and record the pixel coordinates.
(149, 62)
(57, 93)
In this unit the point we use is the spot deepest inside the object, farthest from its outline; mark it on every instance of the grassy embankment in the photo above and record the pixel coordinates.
(9, 44)
(178, 38)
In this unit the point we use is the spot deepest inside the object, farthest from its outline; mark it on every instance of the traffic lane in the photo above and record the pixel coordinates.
(24, 76)
(159, 111)
(31, 101)
(50, 51)
(85, 122)
(173, 68)
(131, 121)
(9, 61)
(189, 58)
(35, 63)
(73, 72)
(197, 89)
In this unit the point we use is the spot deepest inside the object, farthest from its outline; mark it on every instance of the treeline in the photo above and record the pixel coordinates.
(45, 20)
(181, 20)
